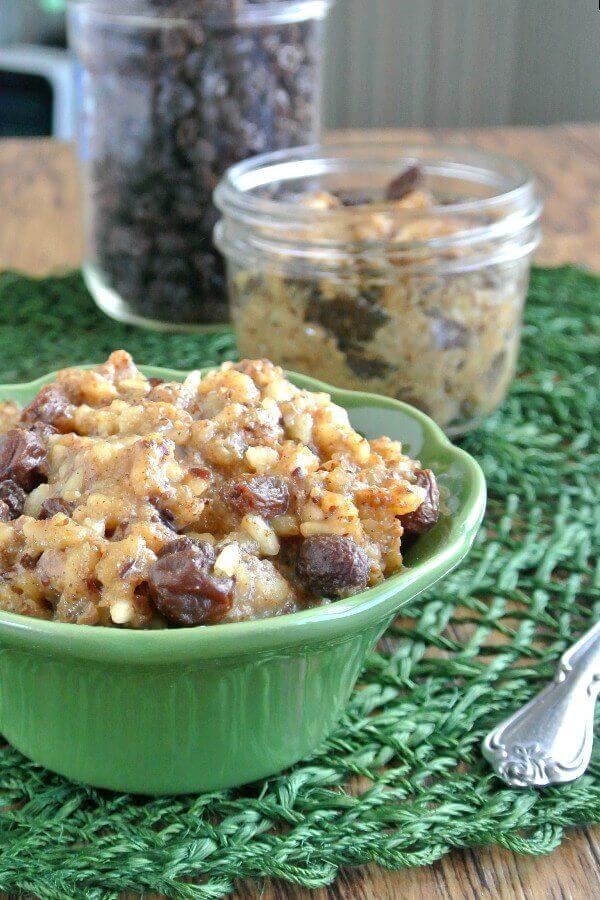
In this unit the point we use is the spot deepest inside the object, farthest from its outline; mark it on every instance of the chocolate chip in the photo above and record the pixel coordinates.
(266, 495)
(22, 455)
(404, 183)
(183, 587)
(53, 506)
(427, 514)
(331, 565)
(13, 498)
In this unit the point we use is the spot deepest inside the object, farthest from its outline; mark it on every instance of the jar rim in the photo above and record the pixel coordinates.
(272, 12)
(281, 225)
(233, 194)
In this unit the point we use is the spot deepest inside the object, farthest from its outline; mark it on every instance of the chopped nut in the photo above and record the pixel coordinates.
(329, 526)
(262, 533)
(7, 534)
(201, 537)
(300, 427)
(361, 451)
(285, 526)
(136, 386)
(261, 458)
(35, 499)
(192, 382)
(279, 391)
(121, 612)
(227, 560)
(302, 461)
(271, 407)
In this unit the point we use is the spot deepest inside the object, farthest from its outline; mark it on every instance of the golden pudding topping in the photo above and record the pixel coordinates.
(129, 501)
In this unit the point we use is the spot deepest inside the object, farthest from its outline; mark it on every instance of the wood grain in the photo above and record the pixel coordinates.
(42, 225)
(571, 872)
(41, 233)
(40, 207)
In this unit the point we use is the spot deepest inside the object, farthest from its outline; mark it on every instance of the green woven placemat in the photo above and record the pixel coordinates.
(401, 781)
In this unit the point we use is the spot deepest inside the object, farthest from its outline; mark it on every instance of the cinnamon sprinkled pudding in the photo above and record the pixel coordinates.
(132, 502)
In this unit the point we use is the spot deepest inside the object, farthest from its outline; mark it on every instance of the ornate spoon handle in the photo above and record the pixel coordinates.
(549, 740)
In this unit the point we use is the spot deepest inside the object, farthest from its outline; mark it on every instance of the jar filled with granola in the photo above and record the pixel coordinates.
(171, 93)
(399, 270)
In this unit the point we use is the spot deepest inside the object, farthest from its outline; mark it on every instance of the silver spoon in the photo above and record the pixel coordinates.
(549, 741)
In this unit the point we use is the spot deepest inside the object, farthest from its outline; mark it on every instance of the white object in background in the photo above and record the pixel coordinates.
(56, 67)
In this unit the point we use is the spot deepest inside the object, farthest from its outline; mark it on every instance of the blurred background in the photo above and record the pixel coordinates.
(426, 63)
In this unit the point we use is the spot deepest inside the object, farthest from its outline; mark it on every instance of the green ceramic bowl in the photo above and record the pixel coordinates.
(186, 710)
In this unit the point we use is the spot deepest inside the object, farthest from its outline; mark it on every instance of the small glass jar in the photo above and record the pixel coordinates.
(171, 93)
(419, 298)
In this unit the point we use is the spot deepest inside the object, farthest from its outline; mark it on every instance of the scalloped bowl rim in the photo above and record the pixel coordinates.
(332, 621)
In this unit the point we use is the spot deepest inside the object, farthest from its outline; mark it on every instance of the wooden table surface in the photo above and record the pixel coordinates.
(40, 233)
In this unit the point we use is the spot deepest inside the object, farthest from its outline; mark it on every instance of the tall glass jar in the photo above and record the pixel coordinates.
(397, 269)
(171, 93)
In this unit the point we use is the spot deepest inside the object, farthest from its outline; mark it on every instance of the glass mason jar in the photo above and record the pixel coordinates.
(171, 93)
(419, 298)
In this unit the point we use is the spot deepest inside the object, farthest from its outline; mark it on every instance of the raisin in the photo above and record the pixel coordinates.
(22, 455)
(349, 198)
(183, 588)
(267, 495)
(51, 408)
(53, 506)
(426, 515)
(447, 333)
(210, 98)
(127, 568)
(201, 548)
(367, 366)
(352, 320)
(13, 498)
(330, 565)
(42, 430)
(30, 560)
(199, 472)
(404, 183)
(166, 518)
